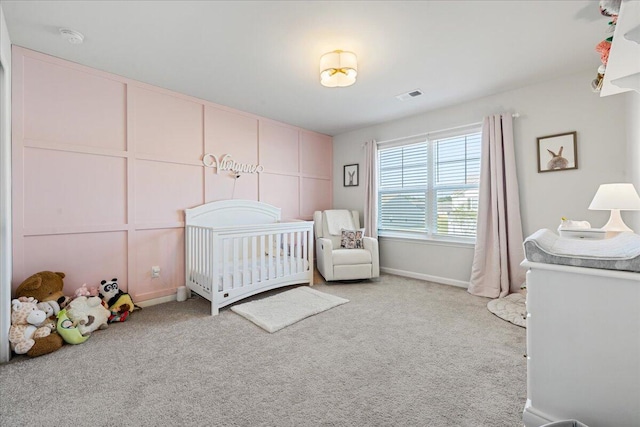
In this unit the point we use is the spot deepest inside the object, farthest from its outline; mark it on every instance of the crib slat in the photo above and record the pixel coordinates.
(263, 267)
(199, 246)
(195, 254)
(285, 254)
(254, 278)
(215, 257)
(196, 261)
(301, 250)
(187, 255)
(291, 252)
(304, 248)
(310, 255)
(299, 263)
(278, 254)
(225, 263)
(296, 253)
(203, 261)
(203, 250)
(236, 264)
(294, 248)
(210, 261)
(245, 261)
(271, 255)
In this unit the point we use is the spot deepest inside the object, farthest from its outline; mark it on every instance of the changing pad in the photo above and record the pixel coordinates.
(621, 252)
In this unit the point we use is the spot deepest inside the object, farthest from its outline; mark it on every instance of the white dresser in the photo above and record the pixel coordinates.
(583, 346)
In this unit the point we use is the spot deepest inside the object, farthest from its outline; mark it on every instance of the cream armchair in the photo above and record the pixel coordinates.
(336, 263)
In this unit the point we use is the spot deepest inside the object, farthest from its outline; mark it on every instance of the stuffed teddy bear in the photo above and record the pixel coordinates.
(27, 334)
(44, 286)
(120, 303)
(88, 314)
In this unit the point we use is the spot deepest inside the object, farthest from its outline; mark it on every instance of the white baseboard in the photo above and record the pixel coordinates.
(156, 301)
(427, 277)
(533, 418)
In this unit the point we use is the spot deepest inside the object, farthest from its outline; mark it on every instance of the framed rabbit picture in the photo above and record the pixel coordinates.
(350, 175)
(558, 152)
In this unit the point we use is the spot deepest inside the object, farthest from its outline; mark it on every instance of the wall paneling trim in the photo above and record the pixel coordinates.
(104, 166)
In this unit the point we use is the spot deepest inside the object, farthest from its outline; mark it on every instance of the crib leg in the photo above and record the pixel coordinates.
(214, 308)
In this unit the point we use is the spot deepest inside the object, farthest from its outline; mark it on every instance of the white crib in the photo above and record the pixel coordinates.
(238, 248)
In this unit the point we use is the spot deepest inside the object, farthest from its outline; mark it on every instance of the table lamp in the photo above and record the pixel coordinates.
(616, 197)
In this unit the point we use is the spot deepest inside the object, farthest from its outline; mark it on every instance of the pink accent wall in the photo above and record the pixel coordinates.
(314, 198)
(57, 108)
(158, 247)
(81, 176)
(281, 191)
(104, 166)
(162, 190)
(236, 134)
(165, 126)
(279, 149)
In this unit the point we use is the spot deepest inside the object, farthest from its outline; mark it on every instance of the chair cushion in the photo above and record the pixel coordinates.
(351, 256)
(322, 229)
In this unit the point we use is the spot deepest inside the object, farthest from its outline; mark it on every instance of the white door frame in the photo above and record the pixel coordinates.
(5, 191)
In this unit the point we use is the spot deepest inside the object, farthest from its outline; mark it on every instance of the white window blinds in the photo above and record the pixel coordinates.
(404, 176)
(430, 187)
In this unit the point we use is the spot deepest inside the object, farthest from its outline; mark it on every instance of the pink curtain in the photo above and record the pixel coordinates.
(370, 189)
(498, 252)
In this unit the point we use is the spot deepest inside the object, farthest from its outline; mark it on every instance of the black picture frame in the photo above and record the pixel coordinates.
(350, 175)
(558, 152)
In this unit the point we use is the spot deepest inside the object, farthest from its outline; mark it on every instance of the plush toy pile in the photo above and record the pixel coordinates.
(43, 318)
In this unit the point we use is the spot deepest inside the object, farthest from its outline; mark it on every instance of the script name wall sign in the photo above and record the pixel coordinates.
(226, 163)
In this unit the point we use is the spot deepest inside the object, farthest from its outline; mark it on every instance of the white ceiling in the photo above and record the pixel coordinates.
(262, 57)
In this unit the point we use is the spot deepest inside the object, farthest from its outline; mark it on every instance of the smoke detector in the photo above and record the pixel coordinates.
(72, 36)
(409, 95)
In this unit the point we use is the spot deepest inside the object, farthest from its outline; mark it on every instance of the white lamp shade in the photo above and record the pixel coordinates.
(338, 69)
(620, 196)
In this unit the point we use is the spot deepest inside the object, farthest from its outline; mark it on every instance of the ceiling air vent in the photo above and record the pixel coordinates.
(409, 95)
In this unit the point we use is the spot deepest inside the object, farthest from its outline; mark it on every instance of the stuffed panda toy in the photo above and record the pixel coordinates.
(119, 303)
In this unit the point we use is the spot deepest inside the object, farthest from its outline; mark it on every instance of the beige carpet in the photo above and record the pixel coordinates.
(402, 352)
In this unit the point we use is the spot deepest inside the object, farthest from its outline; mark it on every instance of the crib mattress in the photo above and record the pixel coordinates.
(621, 252)
(276, 269)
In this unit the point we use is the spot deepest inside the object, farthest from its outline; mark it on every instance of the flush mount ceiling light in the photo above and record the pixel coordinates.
(338, 69)
(72, 36)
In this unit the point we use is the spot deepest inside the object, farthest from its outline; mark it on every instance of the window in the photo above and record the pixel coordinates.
(430, 187)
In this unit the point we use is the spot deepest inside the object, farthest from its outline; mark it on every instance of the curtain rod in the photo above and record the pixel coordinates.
(514, 115)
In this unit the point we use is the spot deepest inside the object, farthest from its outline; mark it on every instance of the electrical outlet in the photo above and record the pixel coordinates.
(155, 271)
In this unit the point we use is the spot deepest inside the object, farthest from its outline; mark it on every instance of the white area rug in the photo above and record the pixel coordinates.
(278, 311)
(511, 308)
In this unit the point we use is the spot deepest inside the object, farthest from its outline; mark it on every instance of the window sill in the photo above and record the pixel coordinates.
(423, 239)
